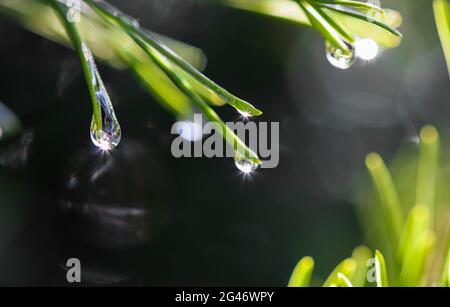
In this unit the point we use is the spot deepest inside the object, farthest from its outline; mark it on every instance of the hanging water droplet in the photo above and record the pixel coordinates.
(244, 114)
(108, 135)
(245, 165)
(338, 58)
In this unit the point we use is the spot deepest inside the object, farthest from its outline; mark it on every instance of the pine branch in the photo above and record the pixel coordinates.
(77, 43)
(358, 18)
(175, 82)
(129, 25)
(178, 73)
(418, 257)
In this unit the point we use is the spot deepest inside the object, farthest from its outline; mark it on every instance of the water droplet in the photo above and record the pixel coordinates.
(244, 114)
(108, 135)
(245, 165)
(337, 58)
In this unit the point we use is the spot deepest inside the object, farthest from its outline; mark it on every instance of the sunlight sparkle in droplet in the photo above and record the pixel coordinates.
(103, 145)
(366, 49)
(245, 165)
(244, 114)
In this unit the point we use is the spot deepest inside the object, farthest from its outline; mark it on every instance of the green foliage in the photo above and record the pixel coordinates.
(113, 46)
(168, 68)
(417, 247)
(347, 273)
(344, 271)
(420, 252)
(390, 205)
(119, 40)
(361, 255)
(77, 43)
(380, 269)
(338, 21)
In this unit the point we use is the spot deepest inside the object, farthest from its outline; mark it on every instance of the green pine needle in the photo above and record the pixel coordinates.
(301, 276)
(77, 42)
(137, 32)
(364, 17)
(363, 6)
(427, 167)
(361, 255)
(343, 281)
(380, 270)
(390, 203)
(359, 18)
(441, 10)
(445, 278)
(330, 33)
(347, 267)
(344, 33)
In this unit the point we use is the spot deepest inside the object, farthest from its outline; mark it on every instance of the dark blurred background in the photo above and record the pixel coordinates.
(163, 221)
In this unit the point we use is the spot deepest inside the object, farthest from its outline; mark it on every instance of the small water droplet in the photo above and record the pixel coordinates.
(244, 114)
(337, 58)
(245, 165)
(108, 135)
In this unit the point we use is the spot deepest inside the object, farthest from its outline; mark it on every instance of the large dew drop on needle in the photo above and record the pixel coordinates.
(338, 58)
(107, 136)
